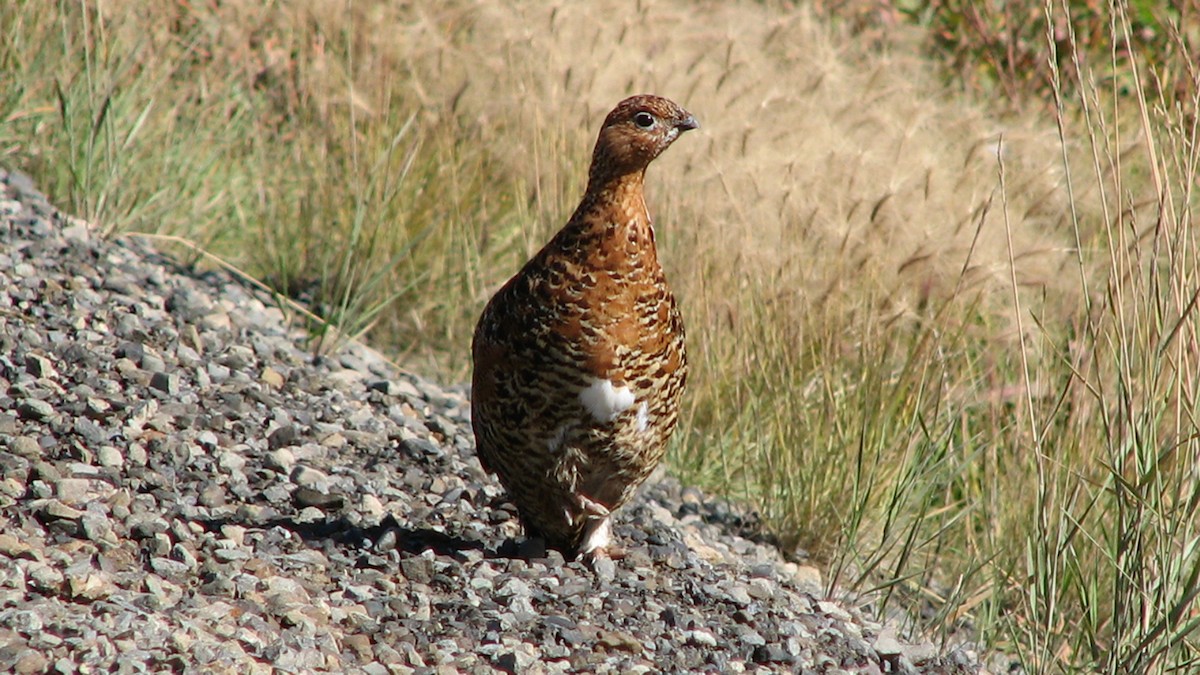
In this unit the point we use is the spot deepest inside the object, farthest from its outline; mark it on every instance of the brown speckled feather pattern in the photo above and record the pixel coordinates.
(579, 360)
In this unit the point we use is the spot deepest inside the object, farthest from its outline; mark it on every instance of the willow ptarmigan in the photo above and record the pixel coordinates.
(579, 359)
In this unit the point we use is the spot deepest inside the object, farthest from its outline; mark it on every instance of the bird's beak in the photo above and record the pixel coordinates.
(688, 123)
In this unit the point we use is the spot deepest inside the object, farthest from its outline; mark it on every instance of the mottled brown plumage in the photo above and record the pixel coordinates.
(579, 360)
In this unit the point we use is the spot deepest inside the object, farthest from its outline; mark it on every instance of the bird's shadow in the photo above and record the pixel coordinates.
(388, 535)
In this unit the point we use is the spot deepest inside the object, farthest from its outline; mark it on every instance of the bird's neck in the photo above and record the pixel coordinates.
(612, 217)
(625, 192)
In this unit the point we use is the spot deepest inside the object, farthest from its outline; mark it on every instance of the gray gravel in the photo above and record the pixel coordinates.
(186, 488)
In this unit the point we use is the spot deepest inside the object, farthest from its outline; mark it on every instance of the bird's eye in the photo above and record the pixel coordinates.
(644, 120)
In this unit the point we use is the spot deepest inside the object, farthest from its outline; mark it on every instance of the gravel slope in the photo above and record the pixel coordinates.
(185, 488)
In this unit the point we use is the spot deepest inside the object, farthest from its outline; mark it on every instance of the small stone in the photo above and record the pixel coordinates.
(90, 586)
(13, 547)
(152, 362)
(605, 568)
(306, 476)
(231, 462)
(40, 366)
(110, 457)
(169, 569)
(387, 541)
(284, 436)
(226, 555)
(763, 571)
(35, 409)
(417, 569)
(187, 356)
(129, 370)
(334, 441)
(97, 408)
(281, 460)
(420, 448)
(395, 388)
(345, 380)
(739, 595)
(305, 497)
(887, 646)
(234, 533)
(761, 589)
(771, 654)
(513, 588)
(217, 373)
(26, 621)
(43, 577)
(370, 506)
(212, 495)
(26, 446)
(751, 637)
(360, 644)
(834, 610)
(166, 594)
(237, 357)
(700, 638)
(619, 641)
(519, 660)
(56, 510)
(97, 528)
(920, 653)
(167, 383)
(159, 544)
(81, 491)
(271, 377)
(184, 555)
(12, 487)
(30, 661)
(8, 423)
(146, 525)
(808, 578)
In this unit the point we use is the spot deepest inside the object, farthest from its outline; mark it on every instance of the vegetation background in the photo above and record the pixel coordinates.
(936, 257)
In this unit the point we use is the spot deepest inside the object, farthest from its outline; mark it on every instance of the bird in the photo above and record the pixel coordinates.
(579, 361)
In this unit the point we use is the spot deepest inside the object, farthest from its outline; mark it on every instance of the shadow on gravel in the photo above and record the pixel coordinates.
(388, 535)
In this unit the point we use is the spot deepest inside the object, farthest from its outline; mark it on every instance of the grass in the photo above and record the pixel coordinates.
(233, 127)
(947, 346)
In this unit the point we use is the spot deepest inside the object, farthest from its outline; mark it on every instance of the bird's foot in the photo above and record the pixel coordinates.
(609, 552)
(592, 508)
(597, 540)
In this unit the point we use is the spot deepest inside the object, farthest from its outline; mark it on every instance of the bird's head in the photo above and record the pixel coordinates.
(639, 129)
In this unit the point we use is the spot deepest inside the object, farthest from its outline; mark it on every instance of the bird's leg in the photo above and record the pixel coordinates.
(534, 544)
(597, 531)
(597, 536)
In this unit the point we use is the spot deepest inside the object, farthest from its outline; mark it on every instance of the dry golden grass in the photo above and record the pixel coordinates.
(946, 348)
(849, 180)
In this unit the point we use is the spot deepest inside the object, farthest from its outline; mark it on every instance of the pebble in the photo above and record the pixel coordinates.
(109, 456)
(35, 409)
(189, 488)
